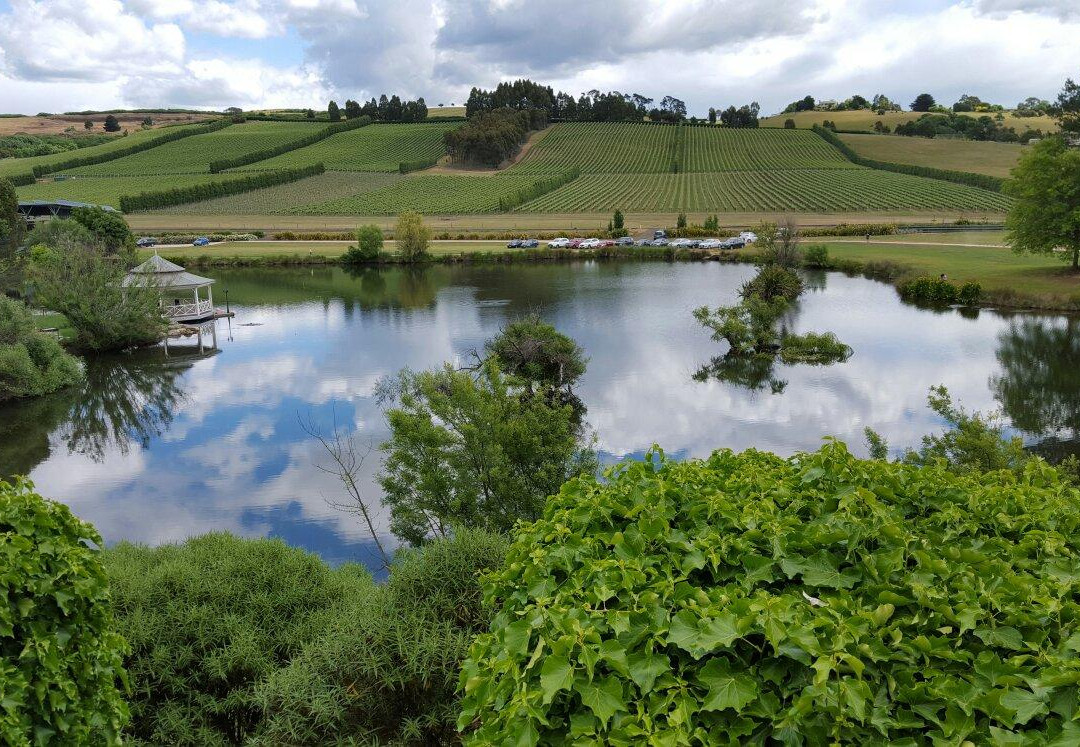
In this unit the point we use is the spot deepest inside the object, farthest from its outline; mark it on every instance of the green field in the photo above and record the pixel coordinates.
(193, 155)
(995, 159)
(292, 197)
(820, 190)
(13, 166)
(379, 147)
(107, 190)
(864, 119)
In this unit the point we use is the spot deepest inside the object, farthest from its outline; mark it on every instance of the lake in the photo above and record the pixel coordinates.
(156, 449)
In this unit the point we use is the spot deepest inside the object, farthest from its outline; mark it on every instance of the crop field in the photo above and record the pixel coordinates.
(864, 119)
(291, 197)
(602, 148)
(107, 190)
(723, 149)
(995, 159)
(12, 166)
(378, 147)
(428, 193)
(193, 155)
(821, 190)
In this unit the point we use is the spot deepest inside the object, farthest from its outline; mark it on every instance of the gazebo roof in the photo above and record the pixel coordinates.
(164, 274)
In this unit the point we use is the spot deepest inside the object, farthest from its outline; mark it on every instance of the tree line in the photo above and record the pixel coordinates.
(391, 109)
(590, 106)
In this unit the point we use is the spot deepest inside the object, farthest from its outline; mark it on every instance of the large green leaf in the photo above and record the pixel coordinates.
(727, 689)
(604, 697)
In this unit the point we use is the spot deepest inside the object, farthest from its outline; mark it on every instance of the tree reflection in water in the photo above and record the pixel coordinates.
(1039, 384)
(126, 400)
(753, 372)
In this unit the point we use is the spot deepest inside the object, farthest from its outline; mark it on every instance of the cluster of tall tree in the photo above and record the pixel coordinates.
(590, 106)
(391, 109)
(880, 103)
(745, 116)
(491, 137)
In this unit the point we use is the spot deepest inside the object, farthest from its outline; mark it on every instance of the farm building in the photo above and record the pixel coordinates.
(34, 210)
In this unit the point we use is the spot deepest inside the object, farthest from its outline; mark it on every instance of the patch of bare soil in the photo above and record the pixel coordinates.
(60, 123)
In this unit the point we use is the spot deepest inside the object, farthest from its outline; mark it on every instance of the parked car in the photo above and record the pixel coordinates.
(529, 243)
(513, 243)
(659, 234)
(201, 241)
(681, 244)
(146, 242)
(607, 242)
(575, 243)
(659, 242)
(748, 237)
(734, 243)
(589, 244)
(643, 242)
(711, 244)
(559, 243)
(624, 241)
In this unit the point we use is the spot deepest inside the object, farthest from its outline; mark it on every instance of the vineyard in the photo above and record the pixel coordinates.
(293, 197)
(429, 193)
(193, 155)
(821, 190)
(103, 190)
(374, 148)
(12, 166)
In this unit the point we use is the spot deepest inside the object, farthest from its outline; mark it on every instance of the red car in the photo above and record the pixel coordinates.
(607, 242)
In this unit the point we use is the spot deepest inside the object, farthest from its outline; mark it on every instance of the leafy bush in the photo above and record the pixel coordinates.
(811, 600)
(773, 282)
(369, 243)
(386, 667)
(816, 256)
(60, 657)
(31, 364)
(939, 292)
(411, 237)
(822, 348)
(209, 619)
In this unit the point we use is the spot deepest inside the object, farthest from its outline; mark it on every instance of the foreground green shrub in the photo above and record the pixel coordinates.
(369, 243)
(816, 256)
(208, 620)
(386, 668)
(812, 600)
(60, 659)
(31, 364)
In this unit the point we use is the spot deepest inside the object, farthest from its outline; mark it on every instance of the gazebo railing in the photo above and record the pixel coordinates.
(188, 310)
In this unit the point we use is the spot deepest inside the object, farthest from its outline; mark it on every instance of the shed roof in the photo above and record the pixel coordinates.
(162, 273)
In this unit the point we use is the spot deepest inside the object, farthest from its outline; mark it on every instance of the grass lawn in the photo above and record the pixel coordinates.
(53, 320)
(995, 159)
(1045, 279)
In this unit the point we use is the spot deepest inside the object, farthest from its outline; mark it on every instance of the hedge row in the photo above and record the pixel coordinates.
(93, 158)
(224, 164)
(22, 180)
(406, 166)
(982, 181)
(199, 192)
(536, 189)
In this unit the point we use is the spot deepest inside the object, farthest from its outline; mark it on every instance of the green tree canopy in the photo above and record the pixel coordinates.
(12, 228)
(411, 237)
(1067, 107)
(112, 124)
(1046, 215)
(467, 449)
(369, 242)
(534, 352)
(108, 228)
(333, 111)
(924, 102)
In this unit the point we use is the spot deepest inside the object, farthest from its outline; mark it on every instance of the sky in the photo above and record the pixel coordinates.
(69, 55)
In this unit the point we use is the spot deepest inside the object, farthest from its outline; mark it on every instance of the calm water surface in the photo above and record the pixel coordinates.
(155, 450)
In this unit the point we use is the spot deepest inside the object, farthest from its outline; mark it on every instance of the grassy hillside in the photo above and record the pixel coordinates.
(377, 147)
(12, 166)
(994, 159)
(864, 119)
(193, 155)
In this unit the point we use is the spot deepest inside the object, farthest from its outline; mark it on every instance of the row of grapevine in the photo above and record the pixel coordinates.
(811, 190)
(224, 164)
(104, 190)
(292, 197)
(209, 190)
(90, 159)
(982, 181)
(536, 189)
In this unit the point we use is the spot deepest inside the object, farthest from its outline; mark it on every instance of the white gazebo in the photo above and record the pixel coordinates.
(181, 300)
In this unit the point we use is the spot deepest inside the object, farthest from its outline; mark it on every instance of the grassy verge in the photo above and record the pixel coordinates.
(59, 322)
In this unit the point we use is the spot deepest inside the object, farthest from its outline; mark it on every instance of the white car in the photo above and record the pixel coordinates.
(589, 244)
(681, 243)
(711, 244)
(559, 243)
(748, 236)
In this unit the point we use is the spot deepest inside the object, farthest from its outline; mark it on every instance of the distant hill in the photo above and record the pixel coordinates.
(864, 119)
